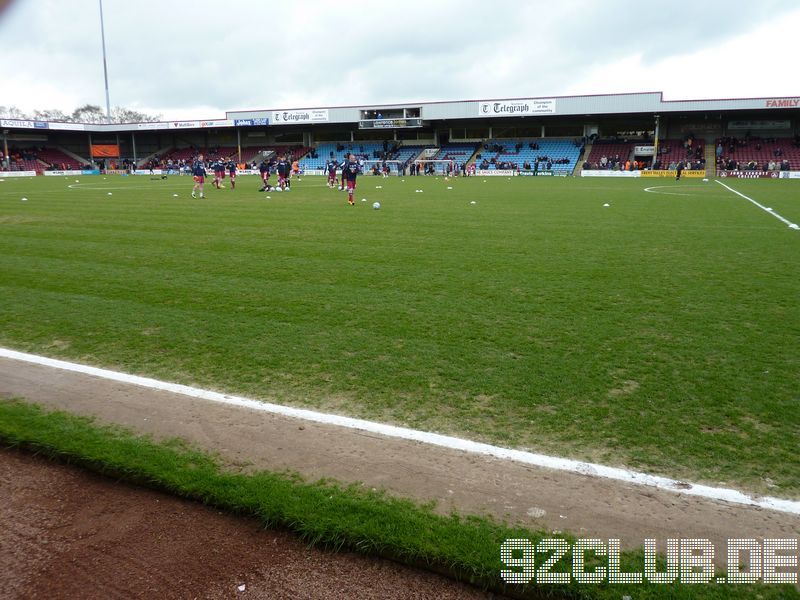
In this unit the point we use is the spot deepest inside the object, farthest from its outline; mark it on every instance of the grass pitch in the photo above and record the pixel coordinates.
(660, 333)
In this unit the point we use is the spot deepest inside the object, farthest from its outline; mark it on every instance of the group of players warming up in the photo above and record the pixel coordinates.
(219, 167)
(283, 168)
(350, 171)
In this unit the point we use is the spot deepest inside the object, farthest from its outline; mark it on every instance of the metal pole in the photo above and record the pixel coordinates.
(133, 143)
(655, 141)
(6, 161)
(105, 66)
(239, 144)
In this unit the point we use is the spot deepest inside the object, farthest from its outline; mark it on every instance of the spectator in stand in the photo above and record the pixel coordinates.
(784, 165)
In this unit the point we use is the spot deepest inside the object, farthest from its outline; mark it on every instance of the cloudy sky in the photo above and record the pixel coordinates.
(196, 59)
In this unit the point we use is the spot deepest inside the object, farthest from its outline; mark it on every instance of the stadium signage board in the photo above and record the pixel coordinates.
(250, 122)
(535, 174)
(750, 174)
(744, 125)
(644, 150)
(319, 115)
(790, 174)
(184, 124)
(219, 123)
(5, 174)
(517, 108)
(68, 126)
(673, 173)
(15, 123)
(57, 173)
(783, 103)
(495, 172)
(611, 173)
(389, 123)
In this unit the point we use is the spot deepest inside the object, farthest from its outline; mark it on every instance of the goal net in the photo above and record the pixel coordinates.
(438, 167)
(375, 167)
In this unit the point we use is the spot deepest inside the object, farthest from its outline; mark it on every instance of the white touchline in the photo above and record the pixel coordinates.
(761, 206)
(435, 439)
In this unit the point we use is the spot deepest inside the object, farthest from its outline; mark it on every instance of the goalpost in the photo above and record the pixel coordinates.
(439, 166)
(369, 166)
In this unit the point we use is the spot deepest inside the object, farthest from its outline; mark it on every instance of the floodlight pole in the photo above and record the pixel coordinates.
(105, 66)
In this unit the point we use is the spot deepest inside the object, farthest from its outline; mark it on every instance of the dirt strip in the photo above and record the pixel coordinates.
(537, 497)
(68, 533)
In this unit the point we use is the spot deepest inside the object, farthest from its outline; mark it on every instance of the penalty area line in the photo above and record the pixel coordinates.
(761, 206)
(540, 460)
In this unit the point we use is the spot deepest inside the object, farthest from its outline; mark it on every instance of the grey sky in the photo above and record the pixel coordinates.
(190, 59)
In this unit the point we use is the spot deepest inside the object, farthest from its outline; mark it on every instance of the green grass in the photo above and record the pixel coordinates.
(325, 513)
(660, 333)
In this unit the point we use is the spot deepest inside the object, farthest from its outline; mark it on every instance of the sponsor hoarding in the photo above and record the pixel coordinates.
(250, 122)
(16, 123)
(217, 123)
(67, 126)
(319, 115)
(644, 150)
(495, 172)
(57, 173)
(761, 124)
(790, 174)
(517, 108)
(610, 173)
(782, 103)
(750, 174)
(4, 174)
(673, 173)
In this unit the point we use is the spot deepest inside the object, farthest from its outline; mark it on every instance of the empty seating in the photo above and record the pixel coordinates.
(514, 153)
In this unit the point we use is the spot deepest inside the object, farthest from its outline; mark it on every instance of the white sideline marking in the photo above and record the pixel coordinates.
(435, 439)
(769, 211)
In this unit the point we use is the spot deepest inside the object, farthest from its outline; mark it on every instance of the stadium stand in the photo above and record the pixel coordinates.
(59, 160)
(459, 152)
(23, 160)
(514, 153)
(337, 150)
(761, 152)
(405, 154)
(610, 149)
(671, 152)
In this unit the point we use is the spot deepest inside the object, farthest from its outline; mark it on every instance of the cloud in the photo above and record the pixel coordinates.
(178, 58)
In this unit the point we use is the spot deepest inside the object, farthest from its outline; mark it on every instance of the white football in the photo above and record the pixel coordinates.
(473, 202)
(24, 199)
(376, 205)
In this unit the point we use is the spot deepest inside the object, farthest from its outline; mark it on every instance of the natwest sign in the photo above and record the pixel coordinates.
(319, 115)
(512, 108)
(783, 103)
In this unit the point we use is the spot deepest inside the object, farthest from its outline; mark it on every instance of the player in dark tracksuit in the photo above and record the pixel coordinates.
(679, 170)
(350, 171)
(332, 174)
(284, 168)
(199, 173)
(263, 168)
(219, 172)
(231, 166)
